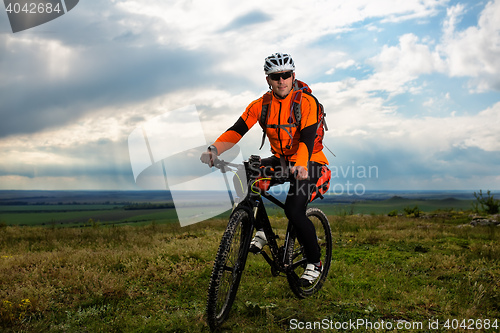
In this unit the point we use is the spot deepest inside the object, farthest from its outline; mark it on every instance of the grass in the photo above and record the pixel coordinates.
(154, 278)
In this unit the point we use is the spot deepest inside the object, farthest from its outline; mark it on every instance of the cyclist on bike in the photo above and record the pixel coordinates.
(291, 147)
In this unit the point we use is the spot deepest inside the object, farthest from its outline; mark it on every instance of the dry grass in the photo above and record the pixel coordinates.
(154, 278)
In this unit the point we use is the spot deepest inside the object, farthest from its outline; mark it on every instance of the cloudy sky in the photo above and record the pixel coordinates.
(411, 88)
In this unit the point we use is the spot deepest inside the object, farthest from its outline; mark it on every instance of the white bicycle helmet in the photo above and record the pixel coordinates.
(278, 62)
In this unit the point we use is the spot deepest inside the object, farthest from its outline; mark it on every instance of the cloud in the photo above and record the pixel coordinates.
(396, 68)
(358, 112)
(408, 60)
(398, 12)
(251, 18)
(52, 80)
(118, 44)
(342, 65)
(49, 96)
(475, 51)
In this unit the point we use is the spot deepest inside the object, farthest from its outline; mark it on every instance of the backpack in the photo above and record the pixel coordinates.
(299, 88)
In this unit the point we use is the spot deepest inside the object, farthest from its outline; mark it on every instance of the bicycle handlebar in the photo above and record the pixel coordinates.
(277, 177)
(219, 164)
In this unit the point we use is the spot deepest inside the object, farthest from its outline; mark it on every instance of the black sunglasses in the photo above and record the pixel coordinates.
(277, 76)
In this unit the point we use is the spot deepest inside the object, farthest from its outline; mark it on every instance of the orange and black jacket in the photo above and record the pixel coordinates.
(296, 146)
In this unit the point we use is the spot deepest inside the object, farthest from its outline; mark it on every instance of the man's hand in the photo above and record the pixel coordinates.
(301, 172)
(208, 157)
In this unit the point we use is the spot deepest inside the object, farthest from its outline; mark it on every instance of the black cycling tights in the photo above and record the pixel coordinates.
(296, 205)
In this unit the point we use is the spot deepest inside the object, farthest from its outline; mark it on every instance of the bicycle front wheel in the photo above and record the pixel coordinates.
(228, 268)
(296, 259)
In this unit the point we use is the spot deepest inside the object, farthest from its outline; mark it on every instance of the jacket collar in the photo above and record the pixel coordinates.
(283, 99)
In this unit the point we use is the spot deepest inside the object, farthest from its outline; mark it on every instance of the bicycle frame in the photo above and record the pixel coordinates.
(257, 211)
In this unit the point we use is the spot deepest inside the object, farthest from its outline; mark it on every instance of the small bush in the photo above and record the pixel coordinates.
(486, 204)
(412, 212)
(393, 213)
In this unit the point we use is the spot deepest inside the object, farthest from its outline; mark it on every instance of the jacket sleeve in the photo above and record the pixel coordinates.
(308, 127)
(234, 133)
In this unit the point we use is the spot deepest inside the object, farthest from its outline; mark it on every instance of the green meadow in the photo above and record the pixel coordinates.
(142, 272)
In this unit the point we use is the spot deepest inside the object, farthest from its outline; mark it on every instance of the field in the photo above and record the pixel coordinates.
(85, 263)
(405, 271)
(81, 208)
(82, 215)
(84, 208)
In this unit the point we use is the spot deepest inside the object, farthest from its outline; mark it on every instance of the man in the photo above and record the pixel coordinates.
(290, 145)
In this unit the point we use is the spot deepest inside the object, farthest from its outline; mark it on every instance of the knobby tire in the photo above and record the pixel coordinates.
(297, 260)
(228, 268)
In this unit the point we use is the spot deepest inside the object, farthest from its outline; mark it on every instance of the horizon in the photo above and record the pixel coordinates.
(155, 190)
(4, 194)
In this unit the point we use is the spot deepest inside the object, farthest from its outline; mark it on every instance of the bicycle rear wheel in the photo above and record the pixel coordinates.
(228, 268)
(297, 260)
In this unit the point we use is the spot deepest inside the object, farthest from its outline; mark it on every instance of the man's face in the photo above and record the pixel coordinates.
(281, 82)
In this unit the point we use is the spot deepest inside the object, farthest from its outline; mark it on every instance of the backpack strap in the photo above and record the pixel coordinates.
(297, 113)
(297, 100)
(264, 115)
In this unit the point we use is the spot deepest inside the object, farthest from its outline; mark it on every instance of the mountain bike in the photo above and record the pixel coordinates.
(286, 256)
